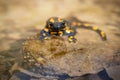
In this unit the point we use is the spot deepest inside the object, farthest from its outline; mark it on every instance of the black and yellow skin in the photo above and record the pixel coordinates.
(60, 27)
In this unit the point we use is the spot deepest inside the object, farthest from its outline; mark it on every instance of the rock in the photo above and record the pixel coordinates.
(114, 72)
(102, 75)
(35, 51)
(74, 59)
(88, 55)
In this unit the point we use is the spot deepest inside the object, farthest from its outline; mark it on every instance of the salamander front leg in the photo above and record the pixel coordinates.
(71, 39)
(44, 35)
(70, 34)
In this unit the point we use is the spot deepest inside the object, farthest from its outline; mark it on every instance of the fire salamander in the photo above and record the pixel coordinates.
(60, 27)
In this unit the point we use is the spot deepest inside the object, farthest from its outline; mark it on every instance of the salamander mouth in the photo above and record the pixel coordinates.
(57, 28)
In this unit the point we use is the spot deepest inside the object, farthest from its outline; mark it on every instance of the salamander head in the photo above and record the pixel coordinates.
(55, 24)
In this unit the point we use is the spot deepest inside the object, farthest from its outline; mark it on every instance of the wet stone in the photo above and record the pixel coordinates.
(38, 52)
(74, 59)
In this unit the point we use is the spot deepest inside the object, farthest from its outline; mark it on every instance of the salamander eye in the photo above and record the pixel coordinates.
(51, 24)
(63, 23)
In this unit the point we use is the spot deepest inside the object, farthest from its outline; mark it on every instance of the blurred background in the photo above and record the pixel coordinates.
(21, 18)
(18, 16)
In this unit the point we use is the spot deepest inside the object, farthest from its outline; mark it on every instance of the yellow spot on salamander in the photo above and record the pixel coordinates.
(94, 28)
(78, 23)
(68, 31)
(60, 33)
(74, 23)
(71, 37)
(102, 34)
(44, 34)
(46, 38)
(60, 20)
(46, 29)
(53, 33)
(86, 24)
(52, 20)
